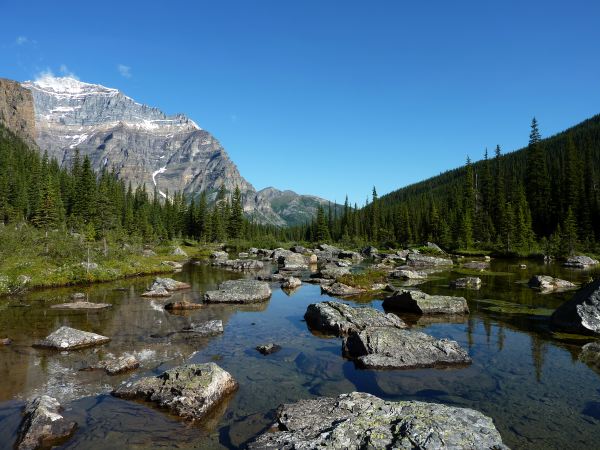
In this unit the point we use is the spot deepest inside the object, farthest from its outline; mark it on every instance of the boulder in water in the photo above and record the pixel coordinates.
(239, 291)
(359, 420)
(581, 314)
(67, 338)
(418, 302)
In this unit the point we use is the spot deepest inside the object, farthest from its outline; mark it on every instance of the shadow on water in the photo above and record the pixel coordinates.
(527, 378)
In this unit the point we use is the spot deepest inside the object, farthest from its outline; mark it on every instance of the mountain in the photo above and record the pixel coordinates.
(147, 147)
(16, 110)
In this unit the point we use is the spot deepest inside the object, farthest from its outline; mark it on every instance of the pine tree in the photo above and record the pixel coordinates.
(538, 183)
(375, 217)
(321, 227)
(236, 218)
(84, 204)
(569, 234)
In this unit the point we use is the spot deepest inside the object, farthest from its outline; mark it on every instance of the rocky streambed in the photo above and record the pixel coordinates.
(464, 367)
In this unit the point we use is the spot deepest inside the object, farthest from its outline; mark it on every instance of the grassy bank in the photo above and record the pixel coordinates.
(32, 259)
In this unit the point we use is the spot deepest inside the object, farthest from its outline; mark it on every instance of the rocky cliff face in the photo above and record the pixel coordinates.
(147, 147)
(16, 109)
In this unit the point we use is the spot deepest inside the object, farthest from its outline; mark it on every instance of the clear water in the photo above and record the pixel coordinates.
(529, 380)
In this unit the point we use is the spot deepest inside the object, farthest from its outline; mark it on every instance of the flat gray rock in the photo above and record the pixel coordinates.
(418, 302)
(239, 291)
(82, 306)
(240, 264)
(291, 283)
(418, 260)
(393, 348)
(188, 391)
(466, 283)
(43, 425)
(67, 338)
(341, 290)
(407, 274)
(362, 421)
(341, 319)
(547, 283)
(580, 262)
(163, 287)
(332, 271)
(581, 314)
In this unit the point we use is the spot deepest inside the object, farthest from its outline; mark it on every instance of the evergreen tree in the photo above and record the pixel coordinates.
(538, 183)
(236, 219)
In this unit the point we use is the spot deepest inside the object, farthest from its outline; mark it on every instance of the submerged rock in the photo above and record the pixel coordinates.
(477, 265)
(116, 366)
(359, 421)
(189, 391)
(581, 314)
(547, 283)
(43, 426)
(291, 283)
(208, 328)
(580, 262)
(393, 348)
(82, 305)
(267, 349)
(421, 303)
(273, 277)
(182, 306)
(239, 291)
(67, 338)
(340, 319)
(418, 260)
(590, 355)
(466, 283)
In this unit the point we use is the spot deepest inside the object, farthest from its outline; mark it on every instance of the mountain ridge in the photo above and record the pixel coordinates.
(169, 153)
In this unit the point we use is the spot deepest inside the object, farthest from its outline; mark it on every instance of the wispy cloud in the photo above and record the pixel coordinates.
(65, 72)
(45, 73)
(21, 40)
(124, 70)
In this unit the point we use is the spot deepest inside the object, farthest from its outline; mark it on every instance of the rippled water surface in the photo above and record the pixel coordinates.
(528, 379)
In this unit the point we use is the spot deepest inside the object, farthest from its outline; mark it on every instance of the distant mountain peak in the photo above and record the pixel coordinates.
(69, 86)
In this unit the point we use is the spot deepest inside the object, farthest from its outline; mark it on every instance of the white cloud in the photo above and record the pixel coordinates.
(46, 73)
(124, 70)
(22, 40)
(65, 72)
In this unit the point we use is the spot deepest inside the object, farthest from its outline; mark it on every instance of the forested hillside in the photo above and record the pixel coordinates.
(37, 191)
(543, 198)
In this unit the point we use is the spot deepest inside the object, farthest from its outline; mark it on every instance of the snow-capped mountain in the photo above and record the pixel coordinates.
(147, 147)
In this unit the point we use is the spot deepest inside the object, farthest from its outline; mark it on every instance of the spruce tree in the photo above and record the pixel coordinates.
(538, 183)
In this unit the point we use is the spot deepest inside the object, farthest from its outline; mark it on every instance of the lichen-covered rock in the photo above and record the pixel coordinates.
(418, 260)
(174, 264)
(219, 256)
(547, 283)
(177, 251)
(341, 290)
(162, 287)
(580, 262)
(273, 277)
(240, 264)
(182, 305)
(466, 283)
(369, 251)
(291, 283)
(239, 291)
(581, 314)
(292, 261)
(188, 391)
(362, 421)
(82, 306)
(394, 348)
(267, 349)
(332, 271)
(67, 338)
(590, 355)
(43, 425)
(340, 319)
(421, 303)
(409, 274)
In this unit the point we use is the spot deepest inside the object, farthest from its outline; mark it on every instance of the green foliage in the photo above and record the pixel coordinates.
(363, 280)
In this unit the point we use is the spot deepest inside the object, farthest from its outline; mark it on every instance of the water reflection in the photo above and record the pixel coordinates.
(533, 385)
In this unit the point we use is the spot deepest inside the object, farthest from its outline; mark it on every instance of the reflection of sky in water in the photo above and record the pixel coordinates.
(533, 386)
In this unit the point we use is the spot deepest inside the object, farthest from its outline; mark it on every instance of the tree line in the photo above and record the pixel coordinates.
(35, 189)
(544, 198)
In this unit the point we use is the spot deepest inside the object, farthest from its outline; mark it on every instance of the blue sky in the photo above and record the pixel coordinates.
(329, 97)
